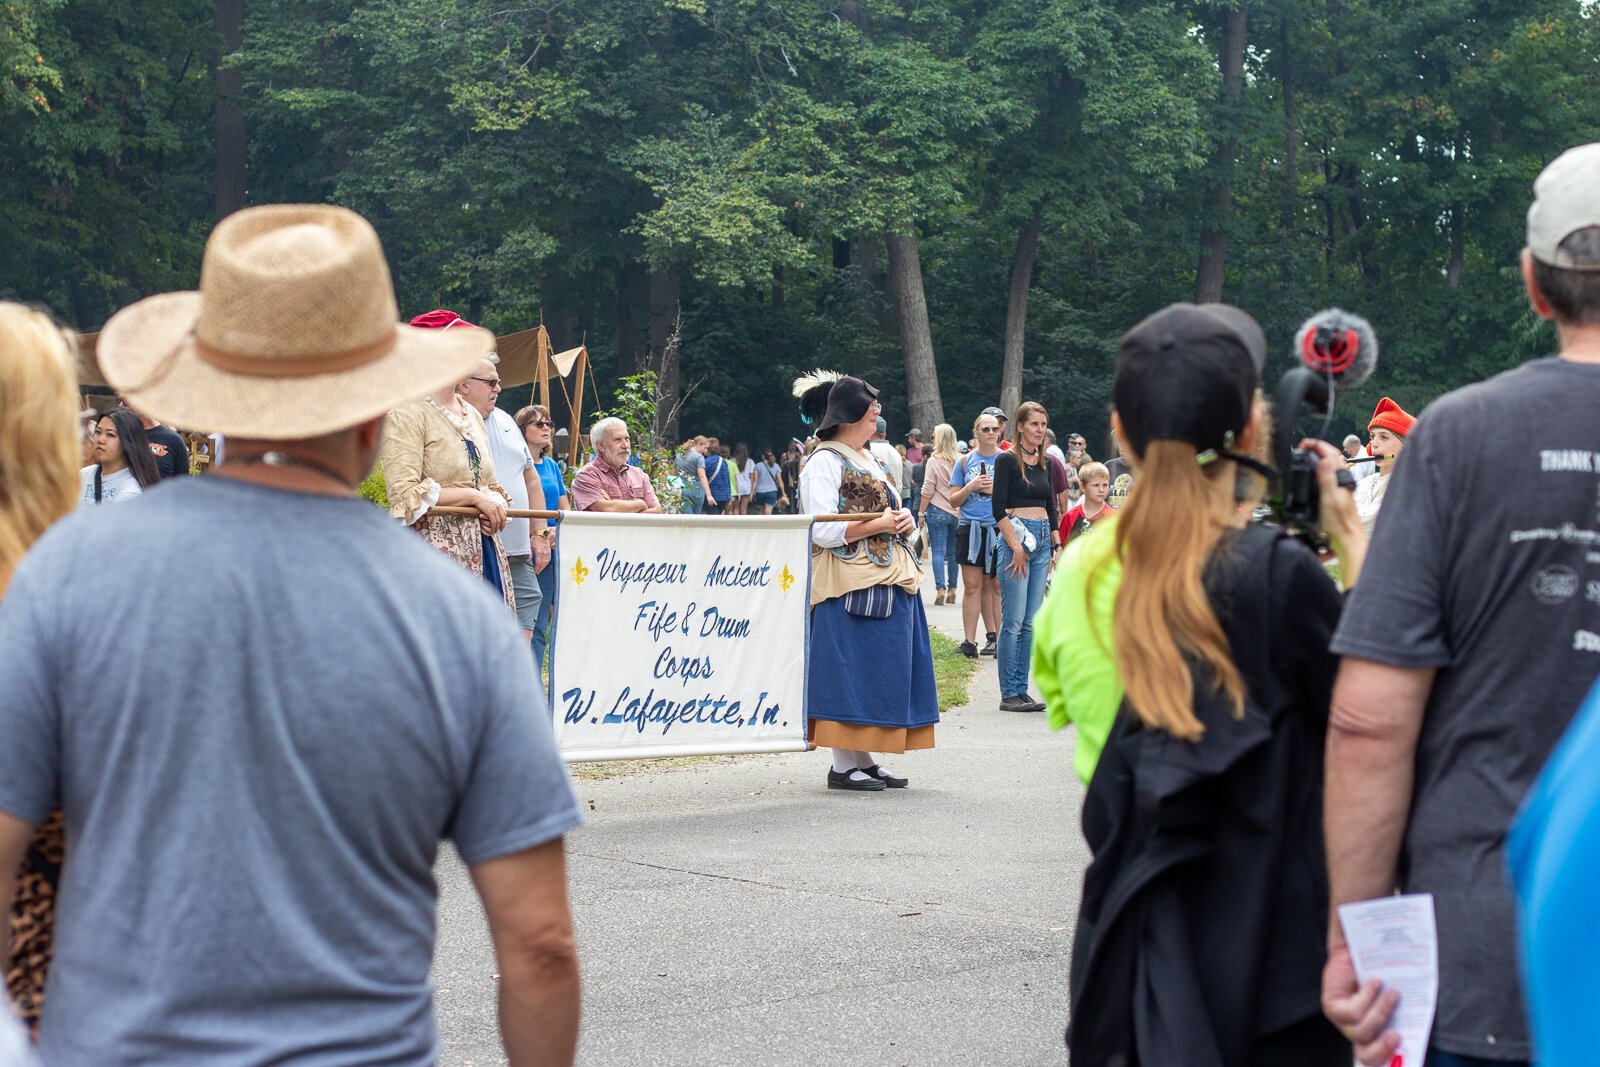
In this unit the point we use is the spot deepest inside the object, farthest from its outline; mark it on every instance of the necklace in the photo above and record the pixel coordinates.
(283, 459)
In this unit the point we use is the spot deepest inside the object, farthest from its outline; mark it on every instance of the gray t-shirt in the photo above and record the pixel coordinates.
(1500, 591)
(259, 742)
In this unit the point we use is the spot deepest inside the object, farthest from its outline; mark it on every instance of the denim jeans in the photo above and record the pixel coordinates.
(541, 626)
(1019, 600)
(942, 548)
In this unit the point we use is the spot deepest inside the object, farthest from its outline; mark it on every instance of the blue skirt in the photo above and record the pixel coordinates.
(872, 672)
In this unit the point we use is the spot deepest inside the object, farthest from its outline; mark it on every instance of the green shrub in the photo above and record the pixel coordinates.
(374, 488)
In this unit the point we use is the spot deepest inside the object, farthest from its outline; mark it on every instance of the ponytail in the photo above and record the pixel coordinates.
(1163, 619)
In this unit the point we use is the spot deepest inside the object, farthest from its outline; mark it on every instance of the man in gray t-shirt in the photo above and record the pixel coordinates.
(254, 802)
(1469, 642)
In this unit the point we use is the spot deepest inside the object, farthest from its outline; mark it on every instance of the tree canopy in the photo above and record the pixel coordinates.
(961, 200)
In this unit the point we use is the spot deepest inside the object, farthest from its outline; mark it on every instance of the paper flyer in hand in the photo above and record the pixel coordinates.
(1395, 940)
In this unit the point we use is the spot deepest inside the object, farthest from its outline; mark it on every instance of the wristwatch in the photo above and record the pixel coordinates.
(542, 532)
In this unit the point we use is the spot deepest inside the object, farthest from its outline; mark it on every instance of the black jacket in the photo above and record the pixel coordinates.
(1203, 921)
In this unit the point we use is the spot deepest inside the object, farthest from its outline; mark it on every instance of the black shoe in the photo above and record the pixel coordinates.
(889, 780)
(968, 649)
(988, 649)
(844, 781)
(1020, 702)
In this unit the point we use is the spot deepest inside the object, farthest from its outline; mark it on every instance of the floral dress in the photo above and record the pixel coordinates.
(428, 448)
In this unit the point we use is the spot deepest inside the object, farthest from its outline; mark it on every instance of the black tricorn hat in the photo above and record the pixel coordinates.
(829, 400)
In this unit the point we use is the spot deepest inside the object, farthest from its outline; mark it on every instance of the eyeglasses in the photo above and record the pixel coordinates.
(543, 424)
(492, 383)
(988, 429)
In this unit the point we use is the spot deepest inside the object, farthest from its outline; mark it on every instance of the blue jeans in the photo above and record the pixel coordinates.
(1019, 600)
(541, 626)
(942, 548)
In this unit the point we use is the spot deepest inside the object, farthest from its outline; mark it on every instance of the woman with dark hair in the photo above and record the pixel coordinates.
(536, 425)
(123, 466)
(1024, 502)
(869, 685)
(1201, 931)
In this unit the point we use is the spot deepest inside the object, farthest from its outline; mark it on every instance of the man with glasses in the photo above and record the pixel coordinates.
(526, 547)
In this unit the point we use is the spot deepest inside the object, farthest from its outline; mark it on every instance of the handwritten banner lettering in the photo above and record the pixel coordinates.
(680, 635)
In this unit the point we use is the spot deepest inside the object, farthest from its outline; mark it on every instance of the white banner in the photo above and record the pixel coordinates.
(680, 635)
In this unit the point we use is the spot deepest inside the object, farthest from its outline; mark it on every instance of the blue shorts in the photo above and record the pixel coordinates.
(766, 499)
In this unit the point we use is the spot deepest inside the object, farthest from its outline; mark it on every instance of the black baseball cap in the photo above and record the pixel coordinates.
(1189, 373)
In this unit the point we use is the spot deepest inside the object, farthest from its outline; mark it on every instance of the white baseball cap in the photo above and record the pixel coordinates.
(1566, 198)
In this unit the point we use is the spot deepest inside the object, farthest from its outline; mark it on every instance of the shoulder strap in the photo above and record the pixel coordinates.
(97, 483)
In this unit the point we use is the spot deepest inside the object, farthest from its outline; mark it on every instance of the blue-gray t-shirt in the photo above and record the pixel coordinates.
(259, 738)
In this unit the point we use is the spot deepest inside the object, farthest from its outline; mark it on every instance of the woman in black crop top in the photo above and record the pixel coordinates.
(1025, 509)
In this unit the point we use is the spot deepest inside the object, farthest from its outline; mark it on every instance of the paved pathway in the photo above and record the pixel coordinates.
(735, 911)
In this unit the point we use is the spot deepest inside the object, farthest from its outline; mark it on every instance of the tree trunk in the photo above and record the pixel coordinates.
(1452, 272)
(916, 339)
(1219, 201)
(633, 318)
(1017, 311)
(664, 289)
(229, 116)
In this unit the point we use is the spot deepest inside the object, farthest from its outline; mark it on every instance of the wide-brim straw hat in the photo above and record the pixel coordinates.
(293, 334)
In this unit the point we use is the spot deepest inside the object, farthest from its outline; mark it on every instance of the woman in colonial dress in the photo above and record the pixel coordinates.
(436, 453)
(870, 684)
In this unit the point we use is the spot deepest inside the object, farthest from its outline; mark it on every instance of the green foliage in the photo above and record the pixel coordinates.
(528, 159)
(374, 488)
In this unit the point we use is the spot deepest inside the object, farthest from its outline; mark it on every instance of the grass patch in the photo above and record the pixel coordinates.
(951, 671)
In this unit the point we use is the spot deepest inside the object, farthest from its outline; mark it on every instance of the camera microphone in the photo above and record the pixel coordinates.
(1335, 343)
(1338, 350)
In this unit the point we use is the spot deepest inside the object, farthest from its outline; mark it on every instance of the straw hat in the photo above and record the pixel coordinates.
(294, 333)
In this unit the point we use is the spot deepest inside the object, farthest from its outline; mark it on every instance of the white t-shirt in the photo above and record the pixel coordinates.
(889, 459)
(1369, 498)
(114, 488)
(509, 450)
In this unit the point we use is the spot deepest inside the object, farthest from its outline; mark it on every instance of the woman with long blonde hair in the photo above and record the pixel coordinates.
(39, 453)
(39, 449)
(939, 515)
(1200, 934)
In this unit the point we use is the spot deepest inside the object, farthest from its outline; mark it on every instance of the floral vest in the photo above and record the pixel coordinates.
(882, 559)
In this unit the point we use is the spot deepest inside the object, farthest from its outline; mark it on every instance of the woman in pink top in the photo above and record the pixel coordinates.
(938, 514)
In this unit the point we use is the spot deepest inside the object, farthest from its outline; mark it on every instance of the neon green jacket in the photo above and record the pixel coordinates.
(1072, 662)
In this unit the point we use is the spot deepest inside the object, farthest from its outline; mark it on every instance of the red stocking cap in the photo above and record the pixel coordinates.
(439, 319)
(1391, 417)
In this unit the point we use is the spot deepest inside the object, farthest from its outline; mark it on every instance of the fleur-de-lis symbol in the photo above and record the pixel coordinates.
(579, 572)
(785, 579)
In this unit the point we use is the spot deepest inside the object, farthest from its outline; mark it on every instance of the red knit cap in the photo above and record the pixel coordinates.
(1391, 417)
(439, 320)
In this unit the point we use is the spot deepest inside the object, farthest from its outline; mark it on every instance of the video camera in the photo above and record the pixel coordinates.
(1338, 349)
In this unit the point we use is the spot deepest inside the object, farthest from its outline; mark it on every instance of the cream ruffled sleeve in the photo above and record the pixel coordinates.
(404, 435)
